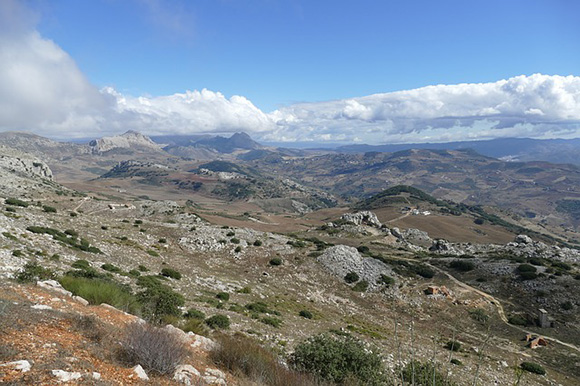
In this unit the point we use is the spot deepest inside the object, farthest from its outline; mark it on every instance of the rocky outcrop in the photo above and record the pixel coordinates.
(362, 218)
(341, 259)
(130, 140)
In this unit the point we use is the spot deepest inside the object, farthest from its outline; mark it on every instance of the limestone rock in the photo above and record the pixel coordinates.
(362, 218)
(140, 372)
(23, 365)
(53, 285)
(66, 376)
(523, 239)
(186, 374)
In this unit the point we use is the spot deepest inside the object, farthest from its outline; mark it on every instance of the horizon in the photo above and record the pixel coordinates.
(291, 71)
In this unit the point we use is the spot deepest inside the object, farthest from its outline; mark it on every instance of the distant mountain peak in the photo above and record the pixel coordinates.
(132, 140)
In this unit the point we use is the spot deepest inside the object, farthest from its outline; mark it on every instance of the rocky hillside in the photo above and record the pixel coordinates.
(130, 140)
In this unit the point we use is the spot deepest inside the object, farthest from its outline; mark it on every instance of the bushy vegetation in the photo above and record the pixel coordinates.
(97, 291)
(192, 313)
(361, 286)
(156, 349)
(533, 368)
(271, 321)
(218, 321)
(276, 261)
(16, 202)
(158, 300)
(462, 265)
(479, 315)
(223, 296)
(172, 273)
(351, 277)
(424, 374)
(32, 272)
(306, 314)
(338, 358)
(453, 345)
(517, 320)
(66, 238)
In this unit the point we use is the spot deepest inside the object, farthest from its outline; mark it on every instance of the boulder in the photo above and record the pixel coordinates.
(523, 239)
(186, 374)
(362, 218)
(23, 365)
(140, 373)
(66, 376)
(53, 285)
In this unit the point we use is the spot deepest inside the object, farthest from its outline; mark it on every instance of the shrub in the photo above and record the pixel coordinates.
(218, 322)
(479, 315)
(242, 355)
(351, 277)
(235, 240)
(153, 253)
(138, 222)
(158, 300)
(306, 314)
(97, 291)
(424, 374)
(223, 296)
(528, 275)
(424, 271)
(16, 202)
(172, 273)
(361, 286)
(192, 313)
(536, 261)
(32, 271)
(194, 325)
(337, 359)
(517, 320)
(533, 368)
(456, 362)
(561, 265)
(134, 273)
(462, 265)
(17, 253)
(143, 268)
(162, 240)
(271, 321)
(49, 209)
(257, 243)
(238, 249)
(453, 345)
(479, 221)
(526, 268)
(258, 307)
(230, 234)
(276, 261)
(156, 349)
(567, 305)
(111, 268)
(386, 280)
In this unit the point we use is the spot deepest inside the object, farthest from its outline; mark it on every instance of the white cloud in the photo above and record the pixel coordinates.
(537, 106)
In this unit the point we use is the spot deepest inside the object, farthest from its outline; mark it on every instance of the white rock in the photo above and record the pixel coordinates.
(141, 374)
(66, 376)
(215, 372)
(504, 364)
(53, 285)
(186, 374)
(202, 342)
(41, 307)
(96, 375)
(22, 365)
(84, 302)
(177, 332)
(211, 380)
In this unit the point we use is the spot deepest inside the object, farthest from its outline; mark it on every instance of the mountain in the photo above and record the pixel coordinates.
(128, 141)
(189, 146)
(513, 149)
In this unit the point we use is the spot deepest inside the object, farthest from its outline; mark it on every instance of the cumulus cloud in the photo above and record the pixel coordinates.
(535, 106)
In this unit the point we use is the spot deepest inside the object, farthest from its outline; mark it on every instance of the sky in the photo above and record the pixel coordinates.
(290, 70)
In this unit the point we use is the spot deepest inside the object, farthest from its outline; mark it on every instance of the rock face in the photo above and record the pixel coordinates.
(341, 259)
(362, 218)
(130, 140)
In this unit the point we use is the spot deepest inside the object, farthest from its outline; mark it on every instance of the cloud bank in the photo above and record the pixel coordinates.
(42, 90)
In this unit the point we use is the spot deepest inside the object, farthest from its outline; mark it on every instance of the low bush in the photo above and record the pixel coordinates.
(32, 272)
(351, 277)
(156, 349)
(48, 209)
(561, 265)
(16, 202)
(158, 300)
(257, 243)
(567, 305)
(386, 280)
(338, 359)
(218, 322)
(361, 286)
(192, 313)
(306, 314)
(238, 249)
(97, 291)
(462, 265)
(424, 374)
(271, 321)
(142, 268)
(456, 362)
(527, 275)
(479, 315)
(172, 273)
(453, 345)
(111, 268)
(242, 355)
(223, 296)
(526, 268)
(153, 253)
(517, 320)
(276, 261)
(197, 326)
(533, 368)
(234, 240)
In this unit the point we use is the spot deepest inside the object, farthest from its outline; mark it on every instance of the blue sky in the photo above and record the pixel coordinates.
(291, 70)
(280, 52)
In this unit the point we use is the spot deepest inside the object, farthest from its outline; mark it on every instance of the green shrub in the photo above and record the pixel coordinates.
(517, 320)
(172, 273)
(276, 261)
(17, 253)
(361, 286)
(337, 359)
(10, 236)
(159, 301)
(153, 253)
(479, 221)
(423, 271)
(271, 321)
(230, 234)
(235, 240)
(138, 222)
(218, 322)
(561, 265)
(453, 345)
(536, 261)
(32, 271)
(16, 202)
(351, 277)
(258, 307)
(462, 265)
(223, 296)
(162, 240)
(97, 291)
(456, 362)
(528, 275)
(257, 243)
(386, 280)
(533, 368)
(424, 374)
(479, 315)
(111, 268)
(49, 209)
(142, 268)
(567, 305)
(81, 264)
(245, 290)
(195, 325)
(192, 313)
(526, 268)
(306, 314)
(238, 249)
